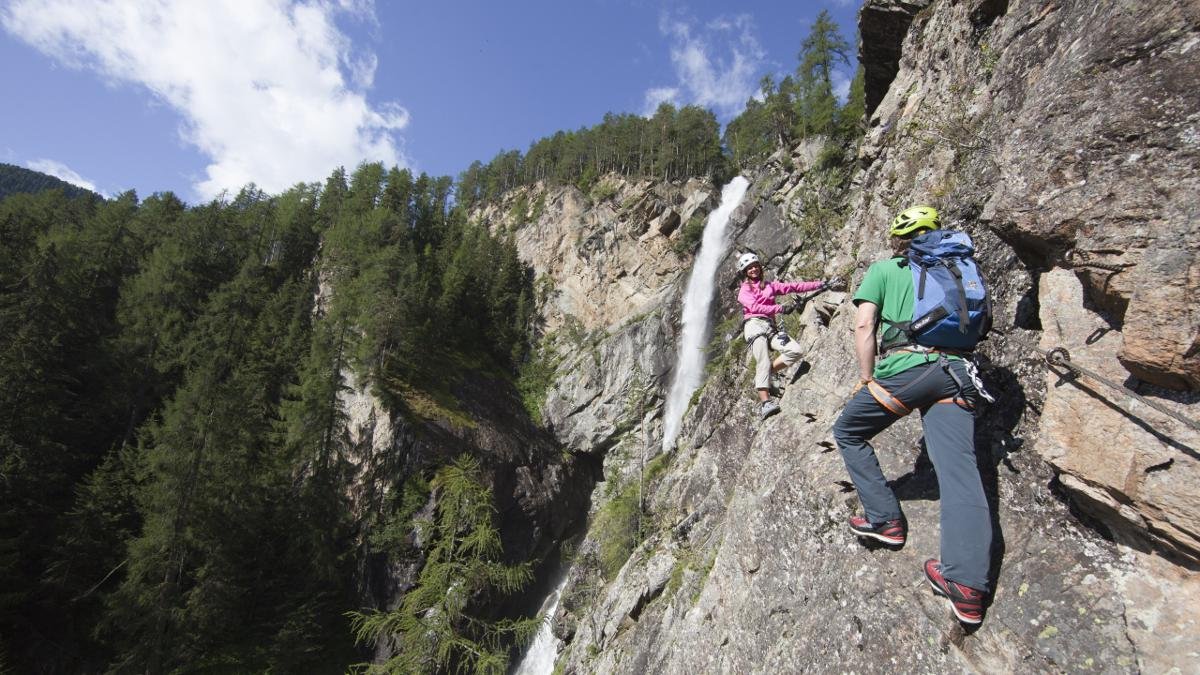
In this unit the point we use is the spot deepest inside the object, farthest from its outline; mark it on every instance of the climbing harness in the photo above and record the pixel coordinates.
(769, 334)
(1059, 356)
(892, 402)
(968, 360)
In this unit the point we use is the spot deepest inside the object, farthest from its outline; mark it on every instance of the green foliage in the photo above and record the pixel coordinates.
(657, 466)
(618, 529)
(815, 102)
(18, 180)
(851, 117)
(539, 207)
(764, 125)
(831, 156)
(988, 58)
(690, 235)
(174, 456)
(704, 570)
(603, 190)
(690, 560)
(535, 377)
(799, 106)
(675, 581)
(720, 350)
(426, 290)
(672, 144)
(519, 208)
(434, 628)
(394, 534)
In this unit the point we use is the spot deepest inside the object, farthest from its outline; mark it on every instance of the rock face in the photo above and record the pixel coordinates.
(1061, 135)
(882, 26)
(609, 270)
(1102, 162)
(540, 494)
(1135, 465)
(605, 258)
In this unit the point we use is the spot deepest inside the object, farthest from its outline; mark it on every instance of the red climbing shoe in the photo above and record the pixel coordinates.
(966, 602)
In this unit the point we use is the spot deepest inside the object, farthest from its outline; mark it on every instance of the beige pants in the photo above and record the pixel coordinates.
(788, 349)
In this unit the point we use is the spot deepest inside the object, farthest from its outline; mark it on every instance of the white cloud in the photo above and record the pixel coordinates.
(659, 95)
(841, 86)
(63, 172)
(271, 91)
(716, 65)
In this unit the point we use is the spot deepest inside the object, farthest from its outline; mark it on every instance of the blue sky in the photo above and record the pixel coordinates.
(203, 96)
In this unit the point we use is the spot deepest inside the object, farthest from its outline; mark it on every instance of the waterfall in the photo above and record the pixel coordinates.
(539, 658)
(689, 366)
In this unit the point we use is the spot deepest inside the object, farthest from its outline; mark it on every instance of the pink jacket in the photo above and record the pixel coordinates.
(758, 300)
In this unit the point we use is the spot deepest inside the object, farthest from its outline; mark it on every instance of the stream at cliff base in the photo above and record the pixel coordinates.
(539, 658)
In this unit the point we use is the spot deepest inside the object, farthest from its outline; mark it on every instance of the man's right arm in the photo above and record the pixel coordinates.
(864, 339)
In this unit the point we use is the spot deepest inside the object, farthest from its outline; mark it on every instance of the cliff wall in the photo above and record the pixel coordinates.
(1062, 136)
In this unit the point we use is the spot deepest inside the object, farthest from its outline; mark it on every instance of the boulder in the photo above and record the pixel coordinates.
(1162, 333)
(1130, 466)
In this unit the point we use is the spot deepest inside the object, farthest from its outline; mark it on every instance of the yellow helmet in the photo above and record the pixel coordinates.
(914, 219)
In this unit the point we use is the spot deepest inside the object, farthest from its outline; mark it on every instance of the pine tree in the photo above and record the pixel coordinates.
(820, 51)
(850, 117)
(434, 628)
(64, 263)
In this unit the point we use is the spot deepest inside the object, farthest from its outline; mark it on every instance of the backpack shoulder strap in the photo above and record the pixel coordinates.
(963, 312)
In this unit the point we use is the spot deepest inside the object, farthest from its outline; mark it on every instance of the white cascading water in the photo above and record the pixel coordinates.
(539, 658)
(689, 365)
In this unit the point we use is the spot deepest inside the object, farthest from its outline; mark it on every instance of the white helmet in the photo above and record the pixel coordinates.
(745, 261)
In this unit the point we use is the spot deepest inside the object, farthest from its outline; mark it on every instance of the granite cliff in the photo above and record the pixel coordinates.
(1063, 136)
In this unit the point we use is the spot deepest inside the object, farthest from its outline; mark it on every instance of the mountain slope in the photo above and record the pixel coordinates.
(16, 180)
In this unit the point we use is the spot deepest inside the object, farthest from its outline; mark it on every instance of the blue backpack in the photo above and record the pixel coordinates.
(951, 306)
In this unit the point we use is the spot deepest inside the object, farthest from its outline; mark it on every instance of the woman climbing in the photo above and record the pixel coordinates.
(760, 329)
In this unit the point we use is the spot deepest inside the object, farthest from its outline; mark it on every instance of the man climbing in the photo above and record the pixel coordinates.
(934, 380)
(759, 327)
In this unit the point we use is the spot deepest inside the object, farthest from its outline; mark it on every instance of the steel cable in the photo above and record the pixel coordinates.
(1059, 356)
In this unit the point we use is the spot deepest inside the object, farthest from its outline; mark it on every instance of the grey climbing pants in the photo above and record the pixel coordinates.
(949, 439)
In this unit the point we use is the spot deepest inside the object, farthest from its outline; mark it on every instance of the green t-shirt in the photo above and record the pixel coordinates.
(889, 286)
